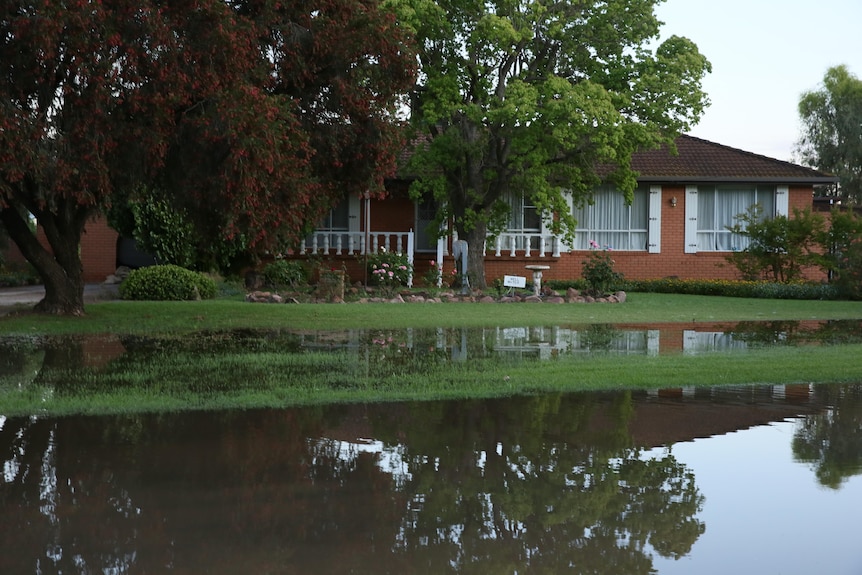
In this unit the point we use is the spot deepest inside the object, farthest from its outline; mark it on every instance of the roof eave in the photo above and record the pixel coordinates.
(724, 179)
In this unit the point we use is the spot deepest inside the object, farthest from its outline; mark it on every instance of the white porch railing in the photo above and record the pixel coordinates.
(531, 245)
(360, 243)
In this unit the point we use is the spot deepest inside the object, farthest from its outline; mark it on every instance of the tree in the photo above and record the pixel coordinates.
(255, 116)
(831, 137)
(528, 99)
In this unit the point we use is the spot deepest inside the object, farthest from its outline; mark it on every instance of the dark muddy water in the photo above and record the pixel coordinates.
(731, 480)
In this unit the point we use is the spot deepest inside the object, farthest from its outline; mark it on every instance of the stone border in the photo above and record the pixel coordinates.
(548, 296)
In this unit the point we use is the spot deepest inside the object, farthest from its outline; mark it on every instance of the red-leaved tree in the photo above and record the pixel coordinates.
(256, 116)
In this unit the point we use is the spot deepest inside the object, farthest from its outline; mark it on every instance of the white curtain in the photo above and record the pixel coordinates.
(717, 209)
(610, 223)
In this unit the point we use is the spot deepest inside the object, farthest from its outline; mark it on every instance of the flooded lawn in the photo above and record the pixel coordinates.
(731, 480)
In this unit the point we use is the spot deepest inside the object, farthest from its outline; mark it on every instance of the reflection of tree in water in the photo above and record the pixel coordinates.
(532, 486)
(791, 332)
(831, 441)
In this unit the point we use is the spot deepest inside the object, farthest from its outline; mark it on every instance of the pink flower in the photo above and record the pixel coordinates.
(433, 263)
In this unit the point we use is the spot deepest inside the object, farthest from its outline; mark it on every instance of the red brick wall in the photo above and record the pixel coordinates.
(392, 215)
(671, 262)
(98, 251)
(98, 248)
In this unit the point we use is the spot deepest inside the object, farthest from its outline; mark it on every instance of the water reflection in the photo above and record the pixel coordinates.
(584, 483)
(21, 358)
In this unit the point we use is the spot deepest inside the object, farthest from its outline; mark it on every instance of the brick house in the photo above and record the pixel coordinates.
(676, 225)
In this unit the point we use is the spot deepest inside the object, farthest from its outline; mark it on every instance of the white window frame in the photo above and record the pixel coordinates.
(781, 203)
(518, 204)
(651, 229)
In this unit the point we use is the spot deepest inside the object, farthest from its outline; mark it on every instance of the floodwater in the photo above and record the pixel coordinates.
(750, 479)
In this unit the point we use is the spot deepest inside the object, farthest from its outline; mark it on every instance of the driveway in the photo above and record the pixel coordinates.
(28, 296)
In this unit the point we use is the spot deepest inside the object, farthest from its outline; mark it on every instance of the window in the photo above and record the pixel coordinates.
(611, 224)
(426, 212)
(714, 208)
(331, 232)
(524, 221)
(337, 220)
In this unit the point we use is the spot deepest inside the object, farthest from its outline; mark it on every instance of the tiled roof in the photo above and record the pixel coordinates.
(700, 160)
(704, 161)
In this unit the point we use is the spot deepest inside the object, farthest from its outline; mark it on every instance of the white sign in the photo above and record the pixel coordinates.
(514, 281)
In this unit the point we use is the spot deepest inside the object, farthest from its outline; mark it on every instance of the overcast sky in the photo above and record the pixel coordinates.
(764, 55)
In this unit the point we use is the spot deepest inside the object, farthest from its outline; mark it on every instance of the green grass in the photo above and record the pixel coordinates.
(180, 382)
(126, 317)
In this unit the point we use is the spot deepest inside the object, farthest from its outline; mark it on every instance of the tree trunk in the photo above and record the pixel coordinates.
(60, 268)
(476, 255)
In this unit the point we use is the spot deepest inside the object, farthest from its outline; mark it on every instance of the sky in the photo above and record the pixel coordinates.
(765, 54)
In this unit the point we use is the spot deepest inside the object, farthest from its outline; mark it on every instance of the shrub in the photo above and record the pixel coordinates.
(282, 273)
(167, 283)
(848, 271)
(18, 275)
(389, 269)
(600, 275)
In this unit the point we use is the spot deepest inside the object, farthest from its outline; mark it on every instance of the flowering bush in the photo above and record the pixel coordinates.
(389, 270)
(434, 275)
(599, 273)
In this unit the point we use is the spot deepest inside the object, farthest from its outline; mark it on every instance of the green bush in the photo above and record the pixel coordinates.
(18, 275)
(847, 271)
(727, 288)
(167, 283)
(281, 273)
(599, 273)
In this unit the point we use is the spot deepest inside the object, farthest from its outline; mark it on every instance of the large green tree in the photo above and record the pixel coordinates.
(831, 137)
(255, 116)
(528, 98)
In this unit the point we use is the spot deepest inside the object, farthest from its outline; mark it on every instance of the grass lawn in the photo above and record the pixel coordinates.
(128, 317)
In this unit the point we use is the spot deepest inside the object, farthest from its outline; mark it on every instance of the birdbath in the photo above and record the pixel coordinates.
(537, 277)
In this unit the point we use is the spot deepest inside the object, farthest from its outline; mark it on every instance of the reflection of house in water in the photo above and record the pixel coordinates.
(658, 417)
(664, 417)
(543, 342)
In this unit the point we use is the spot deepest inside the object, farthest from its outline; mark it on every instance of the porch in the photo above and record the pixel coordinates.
(354, 244)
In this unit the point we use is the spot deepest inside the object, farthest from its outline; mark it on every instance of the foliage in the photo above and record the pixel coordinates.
(848, 277)
(599, 273)
(735, 288)
(389, 270)
(284, 273)
(780, 247)
(434, 276)
(253, 117)
(842, 252)
(164, 232)
(531, 98)
(15, 276)
(169, 233)
(831, 137)
(167, 283)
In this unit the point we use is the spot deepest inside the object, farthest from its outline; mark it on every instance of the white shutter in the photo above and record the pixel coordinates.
(782, 201)
(654, 220)
(691, 219)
